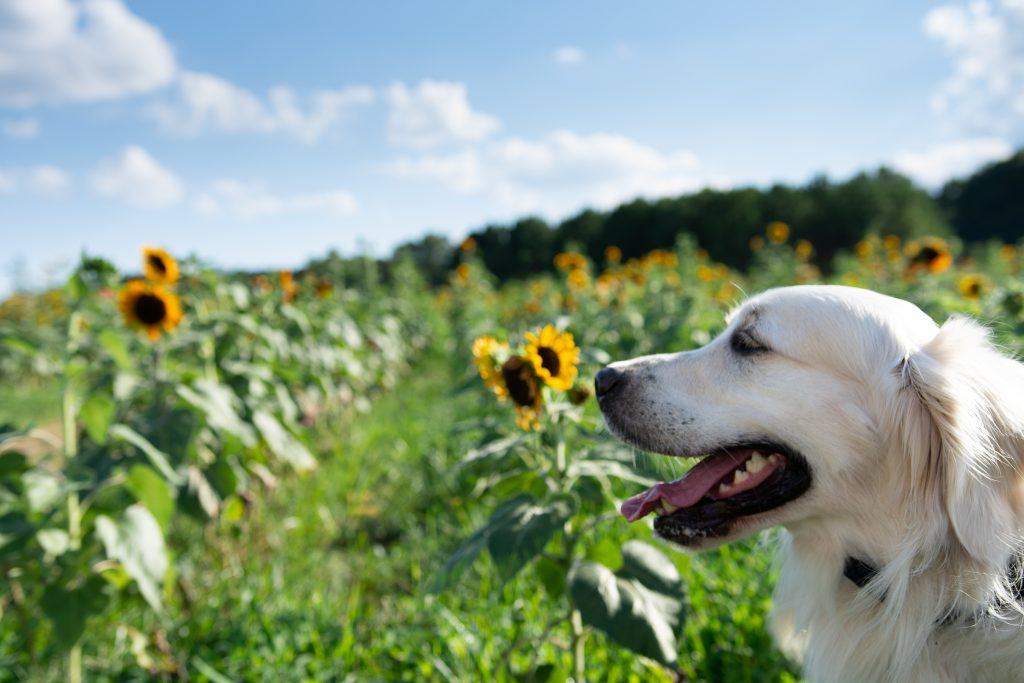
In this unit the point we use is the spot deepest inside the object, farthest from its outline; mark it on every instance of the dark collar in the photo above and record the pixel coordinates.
(861, 573)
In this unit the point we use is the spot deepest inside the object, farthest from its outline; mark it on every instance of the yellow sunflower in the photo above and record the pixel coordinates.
(520, 382)
(803, 250)
(973, 286)
(932, 253)
(485, 351)
(289, 288)
(554, 356)
(159, 266)
(778, 232)
(149, 307)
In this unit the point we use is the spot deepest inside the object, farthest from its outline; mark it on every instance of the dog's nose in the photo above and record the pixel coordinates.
(605, 380)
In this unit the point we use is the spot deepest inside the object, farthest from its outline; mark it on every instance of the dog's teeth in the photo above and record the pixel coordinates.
(668, 507)
(756, 463)
(740, 477)
(723, 488)
(774, 458)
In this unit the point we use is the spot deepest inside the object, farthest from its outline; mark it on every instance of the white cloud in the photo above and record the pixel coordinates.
(87, 50)
(205, 102)
(20, 129)
(435, 113)
(8, 182)
(945, 160)
(562, 171)
(986, 43)
(255, 199)
(137, 178)
(569, 56)
(48, 180)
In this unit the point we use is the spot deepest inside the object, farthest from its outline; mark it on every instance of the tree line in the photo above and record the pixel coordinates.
(831, 215)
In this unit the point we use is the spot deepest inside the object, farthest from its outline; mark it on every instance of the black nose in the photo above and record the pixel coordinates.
(605, 380)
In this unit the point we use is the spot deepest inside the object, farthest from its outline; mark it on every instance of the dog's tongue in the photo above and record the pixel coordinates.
(686, 490)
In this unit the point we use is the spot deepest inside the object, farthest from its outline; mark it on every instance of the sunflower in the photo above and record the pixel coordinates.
(972, 286)
(149, 307)
(931, 253)
(803, 250)
(519, 379)
(289, 288)
(554, 356)
(485, 350)
(778, 232)
(159, 266)
(612, 254)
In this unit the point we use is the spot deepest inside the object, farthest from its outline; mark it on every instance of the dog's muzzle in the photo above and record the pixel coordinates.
(606, 380)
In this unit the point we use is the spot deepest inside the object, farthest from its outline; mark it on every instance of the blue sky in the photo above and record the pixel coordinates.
(263, 133)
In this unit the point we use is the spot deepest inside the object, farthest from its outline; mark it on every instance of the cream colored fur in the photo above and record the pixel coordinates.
(914, 435)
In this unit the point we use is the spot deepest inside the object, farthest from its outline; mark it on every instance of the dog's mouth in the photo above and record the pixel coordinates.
(722, 488)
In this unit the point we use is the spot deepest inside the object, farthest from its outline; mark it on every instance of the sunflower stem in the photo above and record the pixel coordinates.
(579, 639)
(69, 414)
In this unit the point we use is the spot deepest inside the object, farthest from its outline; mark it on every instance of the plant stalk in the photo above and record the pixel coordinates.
(69, 413)
(579, 637)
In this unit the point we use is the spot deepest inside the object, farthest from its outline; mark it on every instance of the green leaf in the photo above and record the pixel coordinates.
(282, 444)
(514, 535)
(602, 469)
(492, 449)
(20, 344)
(153, 491)
(113, 343)
(14, 530)
(42, 490)
(220, 405)
(12, 462)
(458, 562)
(69, 609)
(135, 540)
(198, 498)
(96, 414)
(552, 576)
(157, 457)
(54, 541)
(640, 607)
(208, 671)
(222, 475)
(522, 529)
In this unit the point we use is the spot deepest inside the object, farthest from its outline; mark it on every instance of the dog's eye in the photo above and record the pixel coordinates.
(744, 343)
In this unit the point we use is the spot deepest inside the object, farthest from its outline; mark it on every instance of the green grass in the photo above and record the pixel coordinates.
(322, 580)
(30, 405)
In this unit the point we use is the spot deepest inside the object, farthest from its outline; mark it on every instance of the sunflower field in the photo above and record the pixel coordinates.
(292, 477)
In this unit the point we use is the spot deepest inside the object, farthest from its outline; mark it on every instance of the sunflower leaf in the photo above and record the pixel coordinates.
(135, 540)
(640, 607)
(157, 457)
(282, 443)
(219, 404)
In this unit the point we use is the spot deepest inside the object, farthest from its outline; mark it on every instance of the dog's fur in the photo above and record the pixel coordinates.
(914, 435)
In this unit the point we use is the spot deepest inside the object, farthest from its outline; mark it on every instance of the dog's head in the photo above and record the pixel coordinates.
(832, 405)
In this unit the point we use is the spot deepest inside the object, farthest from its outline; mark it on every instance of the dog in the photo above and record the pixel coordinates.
(889, 449)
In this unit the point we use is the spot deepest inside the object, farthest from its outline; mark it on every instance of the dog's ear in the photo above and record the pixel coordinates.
(970, 409)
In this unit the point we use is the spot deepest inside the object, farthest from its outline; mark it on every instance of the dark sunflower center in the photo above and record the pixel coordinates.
(150, 309)
(549, 360)
(519, 380)
(928, 254)
(974, 289)
(158, 264)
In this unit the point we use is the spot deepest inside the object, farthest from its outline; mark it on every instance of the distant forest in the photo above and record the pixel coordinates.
(832, 216)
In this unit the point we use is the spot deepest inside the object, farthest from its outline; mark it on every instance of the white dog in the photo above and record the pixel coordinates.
(889, 448)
